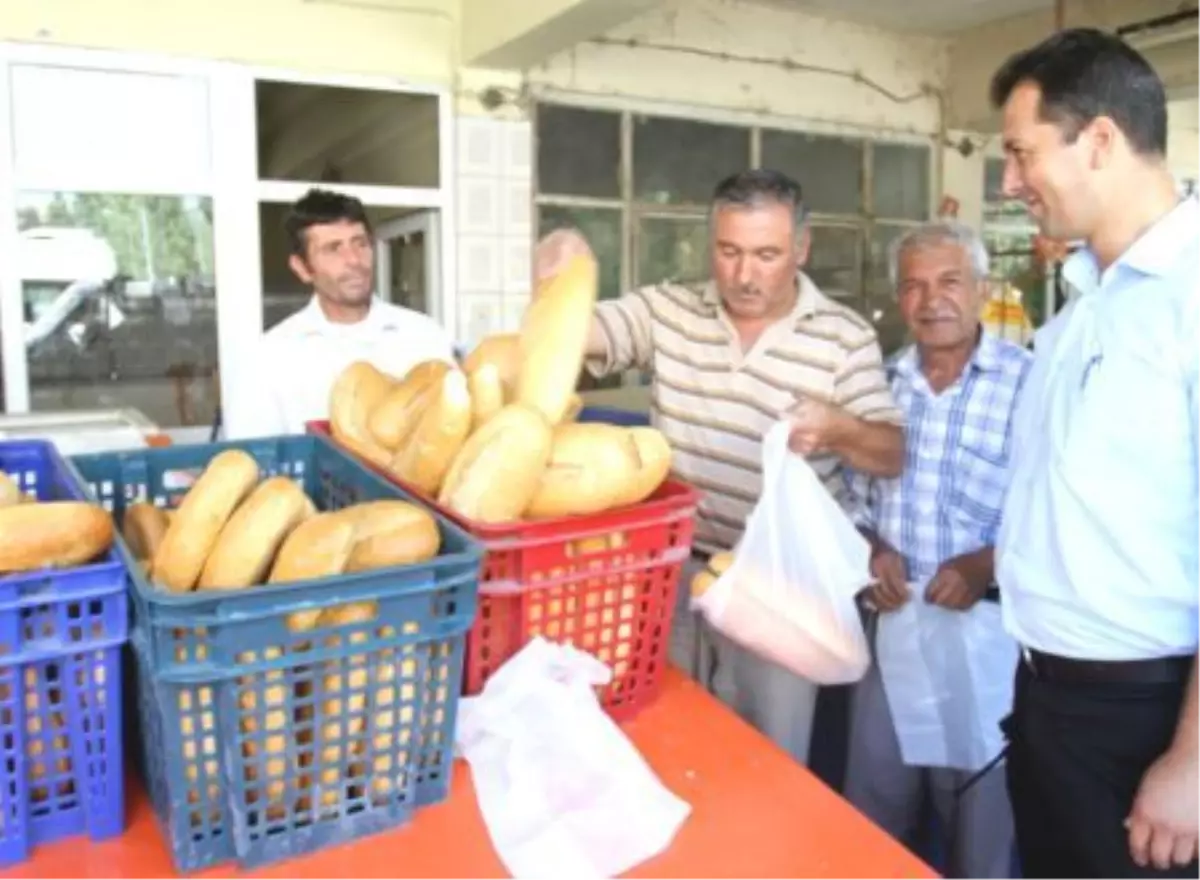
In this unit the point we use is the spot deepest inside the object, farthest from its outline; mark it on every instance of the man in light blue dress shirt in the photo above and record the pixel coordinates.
(1097, 556)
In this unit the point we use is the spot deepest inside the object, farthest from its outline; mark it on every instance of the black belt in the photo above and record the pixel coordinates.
(1065, 670)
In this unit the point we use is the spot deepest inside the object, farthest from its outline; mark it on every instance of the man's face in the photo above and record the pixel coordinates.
(939, 296)
(338, 262)
(1056, 180)
(755, 258)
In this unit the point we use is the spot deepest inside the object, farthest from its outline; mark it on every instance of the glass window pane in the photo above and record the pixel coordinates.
(880, 304)
(829, 169)
(900, 181)
(120, 305)
(340, 135)
(601, 227)
(578, 152)
(835, 261)
(1013, 263)
(672, 249)
(680, 161)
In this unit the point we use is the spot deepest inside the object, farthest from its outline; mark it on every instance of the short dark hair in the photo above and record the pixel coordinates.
(749, 189)
(317, 207)
(1084, 73)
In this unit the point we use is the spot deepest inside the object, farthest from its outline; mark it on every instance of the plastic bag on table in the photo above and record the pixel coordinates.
(789, 594)
(562, 790)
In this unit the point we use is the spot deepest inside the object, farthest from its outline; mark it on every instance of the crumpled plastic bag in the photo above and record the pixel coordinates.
(789, 594)
(563, 792)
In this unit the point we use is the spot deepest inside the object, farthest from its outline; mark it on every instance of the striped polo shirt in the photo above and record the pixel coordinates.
(715, 402)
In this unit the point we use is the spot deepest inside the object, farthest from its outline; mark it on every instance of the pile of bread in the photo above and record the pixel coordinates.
(233, 530)
(494, 439)
(49, 534)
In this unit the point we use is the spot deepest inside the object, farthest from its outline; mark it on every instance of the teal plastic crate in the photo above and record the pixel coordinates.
(261, 743)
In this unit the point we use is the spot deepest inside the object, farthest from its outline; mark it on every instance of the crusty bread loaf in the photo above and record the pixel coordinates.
(52, 534)
(438, 435)
(502, 351)
(703, 580)
(143, 527)
(358, 391)
(574, 408)
(487, 394)
(316, 548)
(390, 533)
(395, 416)
(554, 333)
(497, 471)
(651, 453)
(230, 476)
(247, 545)
(595, 467)
(10, 492)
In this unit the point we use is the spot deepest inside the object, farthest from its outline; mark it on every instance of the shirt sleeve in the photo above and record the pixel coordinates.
(861, 386)
(627, 327)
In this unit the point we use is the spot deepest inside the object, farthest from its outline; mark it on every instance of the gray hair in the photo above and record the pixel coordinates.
(761, 186)
(939, 233)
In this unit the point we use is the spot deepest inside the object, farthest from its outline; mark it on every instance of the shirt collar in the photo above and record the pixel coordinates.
(312, 320)
(1155, 253)
(986, 357)
(806, 300)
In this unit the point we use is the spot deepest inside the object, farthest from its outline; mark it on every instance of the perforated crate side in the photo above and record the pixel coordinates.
(60, 730)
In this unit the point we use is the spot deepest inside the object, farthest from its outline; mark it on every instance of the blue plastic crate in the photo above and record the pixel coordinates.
(614, 416)
(261, 742)
(61, 633)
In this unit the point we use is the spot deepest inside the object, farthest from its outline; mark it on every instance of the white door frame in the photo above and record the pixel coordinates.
(428, 224)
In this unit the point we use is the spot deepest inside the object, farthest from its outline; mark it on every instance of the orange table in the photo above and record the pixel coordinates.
(754, 813)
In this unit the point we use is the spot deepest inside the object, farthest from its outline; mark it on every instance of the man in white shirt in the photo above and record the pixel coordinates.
(1097, 556)
(299, 359)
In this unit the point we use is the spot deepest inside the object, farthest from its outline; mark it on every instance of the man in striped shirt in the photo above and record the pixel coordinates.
(729, 358)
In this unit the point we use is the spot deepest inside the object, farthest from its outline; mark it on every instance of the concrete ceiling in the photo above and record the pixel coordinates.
(923, 16)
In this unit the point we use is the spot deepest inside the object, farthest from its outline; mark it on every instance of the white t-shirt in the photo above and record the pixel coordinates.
(299, 359)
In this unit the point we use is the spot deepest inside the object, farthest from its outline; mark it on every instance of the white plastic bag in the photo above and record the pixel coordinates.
(562, 790)
(789, 595)
(948, 678)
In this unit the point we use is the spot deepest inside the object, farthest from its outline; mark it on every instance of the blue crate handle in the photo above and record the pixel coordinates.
(358, 587)
(60, 650)
(52, 594)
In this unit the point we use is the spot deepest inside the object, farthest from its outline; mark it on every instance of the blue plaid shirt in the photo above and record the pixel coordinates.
(948, 500)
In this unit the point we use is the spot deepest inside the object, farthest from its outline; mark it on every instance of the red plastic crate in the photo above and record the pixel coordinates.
(605, 583)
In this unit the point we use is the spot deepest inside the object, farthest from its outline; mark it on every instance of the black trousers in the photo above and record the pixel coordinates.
(1076, 757)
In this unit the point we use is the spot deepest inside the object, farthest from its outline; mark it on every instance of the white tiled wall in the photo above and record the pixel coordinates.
(495, 228)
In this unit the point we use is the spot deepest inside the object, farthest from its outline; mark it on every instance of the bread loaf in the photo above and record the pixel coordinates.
(10, 492)
(651, 454)
(247, 545)
(316, 548)
(438, 435)
(497, 472)
(143, 527)
(554, 333)
(52, 534)
(487, 394)
(703, 580)
(502, 351)
(574, 408)
(390, 533)
(358, 391)
(595, 467)
(197, 523)
(395, 416)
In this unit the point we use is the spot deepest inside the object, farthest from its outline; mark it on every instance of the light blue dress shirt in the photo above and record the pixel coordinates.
(1097, 552)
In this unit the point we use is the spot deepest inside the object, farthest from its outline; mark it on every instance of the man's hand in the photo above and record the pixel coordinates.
(816, 426)
(1164, 823)
(955, 587)
(556, 250)
(890, 590)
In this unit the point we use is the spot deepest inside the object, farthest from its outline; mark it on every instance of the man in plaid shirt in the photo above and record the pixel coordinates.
(925, 719)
